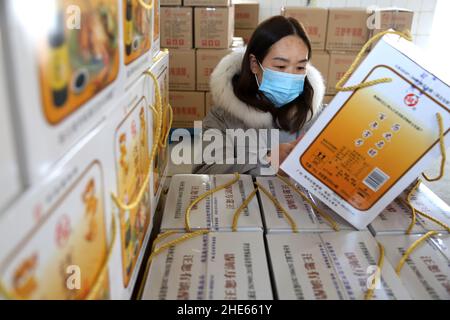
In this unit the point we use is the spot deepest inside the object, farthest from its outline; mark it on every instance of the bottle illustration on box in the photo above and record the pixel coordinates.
(75, 64)
(132, 165)
(137, 26)
(72, 233)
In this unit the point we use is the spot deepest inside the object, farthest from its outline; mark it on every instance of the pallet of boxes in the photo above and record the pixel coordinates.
(198, 34)
(90, 124)
(338, 34)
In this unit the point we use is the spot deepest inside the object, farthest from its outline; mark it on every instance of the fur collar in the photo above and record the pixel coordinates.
(223, 95)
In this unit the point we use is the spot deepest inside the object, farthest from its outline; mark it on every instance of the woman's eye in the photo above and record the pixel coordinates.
(301, 68)
(281, 67)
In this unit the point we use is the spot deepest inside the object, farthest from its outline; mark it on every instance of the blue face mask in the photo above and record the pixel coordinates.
(281, 87)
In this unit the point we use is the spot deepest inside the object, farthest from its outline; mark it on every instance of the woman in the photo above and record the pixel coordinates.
(270, 86)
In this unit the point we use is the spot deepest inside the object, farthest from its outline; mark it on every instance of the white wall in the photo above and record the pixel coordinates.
(423, 9)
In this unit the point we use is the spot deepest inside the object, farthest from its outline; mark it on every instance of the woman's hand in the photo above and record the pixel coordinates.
(285, 151)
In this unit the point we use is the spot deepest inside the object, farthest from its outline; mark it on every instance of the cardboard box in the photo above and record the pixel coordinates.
(314, 20)
(160, 165)
(214, 27)
(442, 242)
(209, 103)
(207, 3)
(245, 34)
(188, 106)
(215, 266)
(329, 266)
(207, 60)
(340, 62)
(177, 27)
(138, 38)
(396, 218)
(68, 88)
(393, 18)
(305, 217)
(11, 184)
(216, 211)
(347, 29)
(171, 2)
(182, 69)
(387, 144)
(321, 60)
(425, 274)
(246, 14)
(156, 37)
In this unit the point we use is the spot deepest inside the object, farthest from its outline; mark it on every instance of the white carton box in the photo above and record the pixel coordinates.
(10, 179)
(67, 219)
(61, 228)
(429, 203)
(303, 214)
(330, 266)
(215, 266)
(353, 255)
(215, 212)
(130, 137)
(371, 144)
(65, 79)
(302, 268)
(442, 242)
(160, 165)
(156, 29)
(426, 273)
(395, 219)
(137, 25)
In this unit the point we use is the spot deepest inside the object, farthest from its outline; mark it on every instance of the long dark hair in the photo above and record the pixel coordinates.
(292, 116)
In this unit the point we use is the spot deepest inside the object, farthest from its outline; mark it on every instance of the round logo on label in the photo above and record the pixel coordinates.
(411, 100)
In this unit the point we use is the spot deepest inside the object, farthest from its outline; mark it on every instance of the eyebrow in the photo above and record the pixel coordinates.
(287, 60)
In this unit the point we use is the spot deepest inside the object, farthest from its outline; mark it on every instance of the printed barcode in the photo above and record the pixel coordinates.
(376, 179)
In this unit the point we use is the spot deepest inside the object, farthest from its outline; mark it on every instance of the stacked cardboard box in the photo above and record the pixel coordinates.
(338, 34)
(246, 18)
(198, 34)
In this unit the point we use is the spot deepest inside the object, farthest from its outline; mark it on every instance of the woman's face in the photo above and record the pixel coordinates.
(289, 54)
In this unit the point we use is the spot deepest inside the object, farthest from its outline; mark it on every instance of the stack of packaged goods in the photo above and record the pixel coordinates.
(90, 123)
(246, 18)
(338, 34)
(198, 35)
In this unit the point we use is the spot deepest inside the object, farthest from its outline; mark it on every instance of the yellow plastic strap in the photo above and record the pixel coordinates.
(279, 206)
(413, 210)
(369, 293)
(443, 152)
(183, 238)
(239, 210)
(426, 216)
(412, 248)
(165, 137)
(339, 85)
(146, 6)
(330, 220)
(7, 294)
(157, 111)
(205, 195)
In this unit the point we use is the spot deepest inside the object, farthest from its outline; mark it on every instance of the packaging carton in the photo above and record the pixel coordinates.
(347, 29)
(353, 173)
(207, 3)
(177, 27)
(340, 62)
(188, 106)
(246, 14)
(214, 27)
(207, 60)
(182, 69)
(321, 60)
(315, 21)
(215, 266)
(216, 211)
